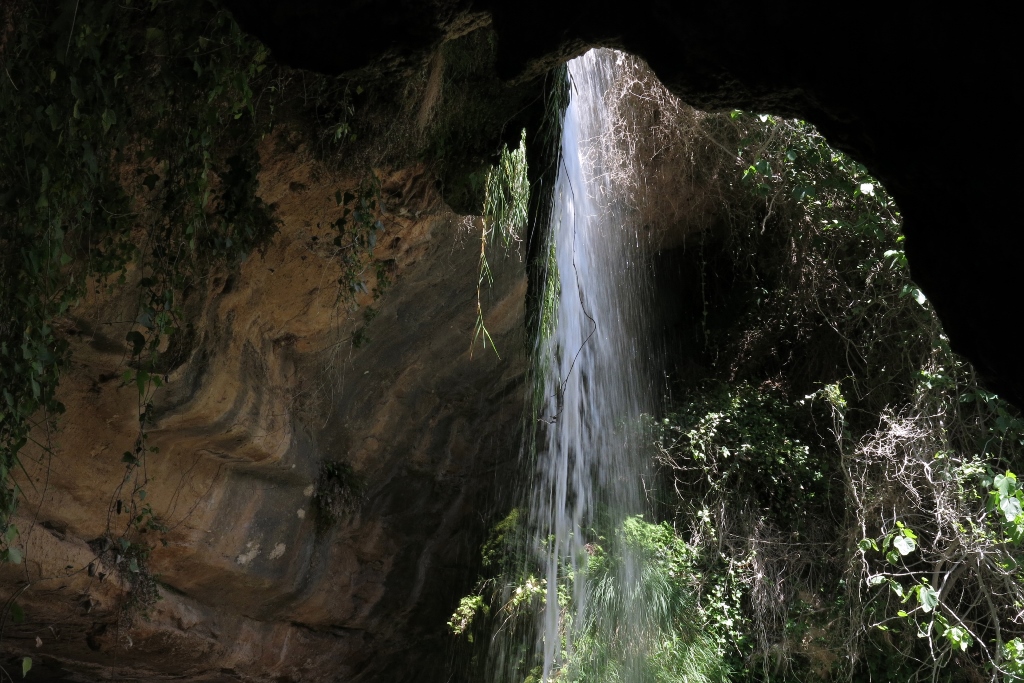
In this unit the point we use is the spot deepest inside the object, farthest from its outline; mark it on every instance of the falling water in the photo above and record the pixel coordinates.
(595, 361)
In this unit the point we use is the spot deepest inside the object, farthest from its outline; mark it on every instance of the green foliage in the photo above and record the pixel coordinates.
(507, 195)
(742, 469)
(506, 203)
(551, 293)
(467, 610)
(847, 268)
(742, 441)
(501, 538)
(127, 151)
(898, 543)
(839, 468)
(639, 621)
(358, 230)
(1006, 497)
(1013, 661)
(545, 284)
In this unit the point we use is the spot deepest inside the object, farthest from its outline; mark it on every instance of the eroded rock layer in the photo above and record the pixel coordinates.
(257, 578)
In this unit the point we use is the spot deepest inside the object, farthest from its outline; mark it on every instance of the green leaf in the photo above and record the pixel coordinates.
(1011, 507)
(26, 666)
(13, 555)
(1005, 483)
(928, 597)
(904, 545)
(958, 637)
(109, 118)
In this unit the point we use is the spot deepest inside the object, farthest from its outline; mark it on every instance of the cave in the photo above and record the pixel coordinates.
(273, 574)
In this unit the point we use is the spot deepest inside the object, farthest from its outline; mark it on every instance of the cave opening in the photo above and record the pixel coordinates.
(778, 396)
(241, 418)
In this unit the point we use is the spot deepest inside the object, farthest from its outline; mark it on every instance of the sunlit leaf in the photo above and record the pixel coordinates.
(928, 597)
(904, 545)
(1010, 506)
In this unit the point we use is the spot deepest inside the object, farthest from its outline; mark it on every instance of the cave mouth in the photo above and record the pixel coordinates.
(754, 381)
(874, 106)
(284, 524)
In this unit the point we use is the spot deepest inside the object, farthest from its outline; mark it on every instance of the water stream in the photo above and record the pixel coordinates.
(595, 370)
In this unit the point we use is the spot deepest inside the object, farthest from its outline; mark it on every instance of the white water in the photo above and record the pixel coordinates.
(595, 363)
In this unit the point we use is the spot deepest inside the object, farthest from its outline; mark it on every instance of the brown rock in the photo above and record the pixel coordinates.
(252, 584)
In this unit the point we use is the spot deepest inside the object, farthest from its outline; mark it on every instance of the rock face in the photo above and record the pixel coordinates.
(893, 87)
(256, 582)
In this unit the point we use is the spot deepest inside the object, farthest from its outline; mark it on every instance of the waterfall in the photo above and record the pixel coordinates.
(589, 587)
(594, 365)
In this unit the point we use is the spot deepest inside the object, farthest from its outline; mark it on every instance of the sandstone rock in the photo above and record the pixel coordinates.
(252, 584)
